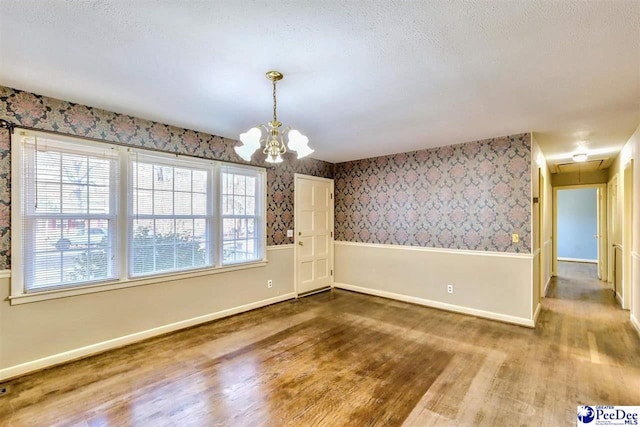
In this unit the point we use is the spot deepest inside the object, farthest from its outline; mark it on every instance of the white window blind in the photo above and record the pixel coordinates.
(241, 214)
(171, 204)
(68, 213)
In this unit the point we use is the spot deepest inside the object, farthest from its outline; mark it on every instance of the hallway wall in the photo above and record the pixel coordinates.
(542, 213)
(634, 147)
(631, 150)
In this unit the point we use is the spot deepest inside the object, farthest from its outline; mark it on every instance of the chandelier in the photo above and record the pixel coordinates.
(274, 145)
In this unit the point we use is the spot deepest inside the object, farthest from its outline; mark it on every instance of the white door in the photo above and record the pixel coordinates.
(313, 233)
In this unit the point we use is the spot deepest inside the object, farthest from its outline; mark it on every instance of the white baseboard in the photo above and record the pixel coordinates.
(619, 298)
(546, 287)
(79, 353)
(589, 261)
(521, 321)
(537, 313)
(635, 323)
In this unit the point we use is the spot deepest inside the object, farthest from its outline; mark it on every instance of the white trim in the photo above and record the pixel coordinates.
(537, 313)
(280, 247)
(548, 258)
(56, 359)
(546, 287)
(585, 260)
(69, 292)
(102, 287)
(536, 254)
(438, 250)
(313, 177)
(619, 299)
(635, 323)
(521, 321)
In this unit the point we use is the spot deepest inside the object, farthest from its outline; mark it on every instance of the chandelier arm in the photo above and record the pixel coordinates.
(283, 147)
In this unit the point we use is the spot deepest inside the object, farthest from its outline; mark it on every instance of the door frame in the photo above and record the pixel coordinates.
(296, 177)
(612, 219)
(542, 271)
(627, 234)
(601, 213)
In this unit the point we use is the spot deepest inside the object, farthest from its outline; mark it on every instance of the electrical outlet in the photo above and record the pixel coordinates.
(289, 233)
(449, 289)
(515, 238)
(269, 283)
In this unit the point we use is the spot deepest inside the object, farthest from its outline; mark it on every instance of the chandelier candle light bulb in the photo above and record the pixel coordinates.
(274, 145)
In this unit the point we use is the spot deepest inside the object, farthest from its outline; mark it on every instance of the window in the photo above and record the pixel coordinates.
(68, 214)
(241, 207)
(170, 221)
(88, 213)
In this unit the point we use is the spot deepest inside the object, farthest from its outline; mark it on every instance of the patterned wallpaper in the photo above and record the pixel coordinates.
(467, 196)
(27, 109)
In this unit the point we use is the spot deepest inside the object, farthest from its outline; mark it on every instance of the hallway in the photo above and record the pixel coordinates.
(578, 281)
(593, 346)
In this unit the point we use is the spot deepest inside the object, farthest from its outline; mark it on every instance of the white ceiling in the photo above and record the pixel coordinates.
(362, 78)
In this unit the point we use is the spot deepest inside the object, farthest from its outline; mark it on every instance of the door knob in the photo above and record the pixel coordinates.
(300, 243)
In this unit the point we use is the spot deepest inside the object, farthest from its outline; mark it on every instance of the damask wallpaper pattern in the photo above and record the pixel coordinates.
(466, 196)
(28, 109)
(469, 196)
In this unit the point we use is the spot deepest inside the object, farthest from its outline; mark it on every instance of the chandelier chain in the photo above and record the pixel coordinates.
(275, 117)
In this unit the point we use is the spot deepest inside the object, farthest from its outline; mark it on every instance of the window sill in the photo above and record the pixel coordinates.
(127, 283)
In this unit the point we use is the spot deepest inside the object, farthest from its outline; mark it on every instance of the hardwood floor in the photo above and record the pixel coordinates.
(341, 358)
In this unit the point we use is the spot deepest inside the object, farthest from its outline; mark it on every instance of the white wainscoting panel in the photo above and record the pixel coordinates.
(486, 284)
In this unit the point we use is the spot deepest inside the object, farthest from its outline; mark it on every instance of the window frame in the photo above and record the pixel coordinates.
(211, 167)
(259, 229)
(124, 153)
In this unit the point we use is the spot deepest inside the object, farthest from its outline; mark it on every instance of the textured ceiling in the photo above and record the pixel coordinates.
(362, 78)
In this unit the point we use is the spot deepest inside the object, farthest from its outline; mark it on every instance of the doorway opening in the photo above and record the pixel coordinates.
(581, 255)
(580, 219)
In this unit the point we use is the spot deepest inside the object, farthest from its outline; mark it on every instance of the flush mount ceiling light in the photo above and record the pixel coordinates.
(274, 145)
(580, 157)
